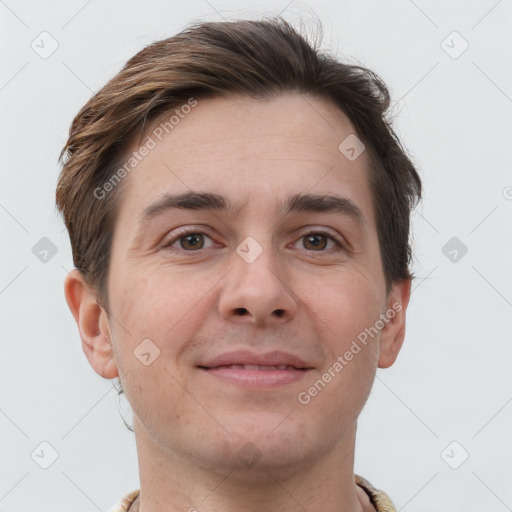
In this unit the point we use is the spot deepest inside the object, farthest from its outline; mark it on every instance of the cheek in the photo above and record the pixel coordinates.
(153, 301)
(347, 323)
(346, 305)
(166, 308)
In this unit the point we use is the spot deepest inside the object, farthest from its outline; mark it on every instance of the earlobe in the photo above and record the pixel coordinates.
(393, 332)
(92, 324)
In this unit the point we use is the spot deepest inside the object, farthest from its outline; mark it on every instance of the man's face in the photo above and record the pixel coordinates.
(254, 278)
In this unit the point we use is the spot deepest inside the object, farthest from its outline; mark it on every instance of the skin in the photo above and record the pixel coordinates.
(189, 425)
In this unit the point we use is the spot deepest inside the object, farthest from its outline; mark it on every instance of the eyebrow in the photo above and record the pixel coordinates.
(329, 203)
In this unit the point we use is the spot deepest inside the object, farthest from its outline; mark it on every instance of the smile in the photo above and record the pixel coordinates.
(257, 376)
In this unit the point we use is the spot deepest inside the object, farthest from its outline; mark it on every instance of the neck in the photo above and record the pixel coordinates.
(175, 482)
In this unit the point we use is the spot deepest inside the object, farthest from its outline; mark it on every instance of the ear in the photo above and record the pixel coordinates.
(393, 332)
(92, 322)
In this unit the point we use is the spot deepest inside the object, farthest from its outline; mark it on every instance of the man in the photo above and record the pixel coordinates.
(238, 208)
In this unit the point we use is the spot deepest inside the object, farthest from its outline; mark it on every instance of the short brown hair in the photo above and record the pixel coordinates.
(259, 59)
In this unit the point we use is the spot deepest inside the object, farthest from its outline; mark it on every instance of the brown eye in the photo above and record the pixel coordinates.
(320, 242)
(315, 241)
(192, 241)
(188, 240)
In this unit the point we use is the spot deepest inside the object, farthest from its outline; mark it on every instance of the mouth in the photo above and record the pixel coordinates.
(250, 370)
(257, 376)
(255, 367)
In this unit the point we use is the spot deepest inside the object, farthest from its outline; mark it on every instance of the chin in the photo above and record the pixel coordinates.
(267, 442)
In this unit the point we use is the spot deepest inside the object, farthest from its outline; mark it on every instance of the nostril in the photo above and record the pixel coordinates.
(279, 312)
(241, 311)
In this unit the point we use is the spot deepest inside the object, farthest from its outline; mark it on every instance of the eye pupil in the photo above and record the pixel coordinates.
(192, 239)
(315, 242)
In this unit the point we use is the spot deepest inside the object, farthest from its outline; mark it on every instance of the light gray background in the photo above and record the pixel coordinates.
(451, 381)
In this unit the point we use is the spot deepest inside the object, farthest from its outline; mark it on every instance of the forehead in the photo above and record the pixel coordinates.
(289, 122)
(244, 148)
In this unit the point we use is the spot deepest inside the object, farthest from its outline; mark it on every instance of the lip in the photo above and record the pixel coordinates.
(274, 358)
(219, 367)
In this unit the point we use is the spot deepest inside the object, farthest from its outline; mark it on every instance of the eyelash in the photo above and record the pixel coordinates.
(189, 231)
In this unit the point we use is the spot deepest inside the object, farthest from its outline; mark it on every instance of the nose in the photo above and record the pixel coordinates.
(258, 292)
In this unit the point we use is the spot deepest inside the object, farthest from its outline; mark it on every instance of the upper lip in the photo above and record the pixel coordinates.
(274, 358)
